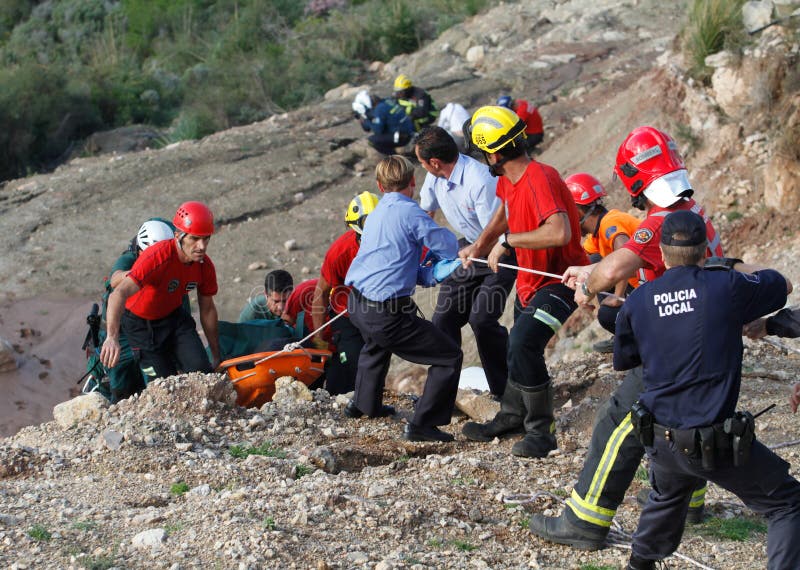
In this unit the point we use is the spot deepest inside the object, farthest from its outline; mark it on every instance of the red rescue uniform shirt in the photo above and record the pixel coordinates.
(163, 280)
(647, 236)
(300, 300)
(539, 194)
(335, 265)
(530, 116)
(612, 224)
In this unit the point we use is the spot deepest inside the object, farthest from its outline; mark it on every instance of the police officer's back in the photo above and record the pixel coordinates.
(685, 329)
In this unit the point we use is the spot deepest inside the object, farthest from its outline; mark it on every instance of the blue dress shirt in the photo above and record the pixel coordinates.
(467, 197)
(391, 248)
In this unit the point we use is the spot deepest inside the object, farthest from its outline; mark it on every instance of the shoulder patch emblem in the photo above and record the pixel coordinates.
(642, 235)
(610, 231)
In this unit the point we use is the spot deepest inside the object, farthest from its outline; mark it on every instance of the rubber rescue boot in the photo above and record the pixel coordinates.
(539, 423)
(507, 421)
(636, 563)
(562, 531)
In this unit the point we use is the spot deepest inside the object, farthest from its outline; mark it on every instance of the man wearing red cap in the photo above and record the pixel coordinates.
(147, 305)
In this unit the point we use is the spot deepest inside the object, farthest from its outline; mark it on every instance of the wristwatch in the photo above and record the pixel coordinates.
(585, 290)
(503, 240)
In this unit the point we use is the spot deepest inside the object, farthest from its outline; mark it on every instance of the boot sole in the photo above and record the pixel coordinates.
(487, 439)
(587, 545)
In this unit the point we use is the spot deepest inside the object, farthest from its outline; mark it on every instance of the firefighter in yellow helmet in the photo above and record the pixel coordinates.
(330, 298)
(538, 220)
(416, 102)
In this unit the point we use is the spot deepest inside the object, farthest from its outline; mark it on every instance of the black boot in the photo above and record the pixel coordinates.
(506, 422)
(562, 531)
(636, 563)
(539, 422)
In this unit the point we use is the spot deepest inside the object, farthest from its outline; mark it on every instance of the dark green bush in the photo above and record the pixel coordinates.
(70, 67)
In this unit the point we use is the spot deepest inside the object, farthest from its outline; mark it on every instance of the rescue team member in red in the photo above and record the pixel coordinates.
(148, 302)
(655, 176)
(330, 298)
(539, 220)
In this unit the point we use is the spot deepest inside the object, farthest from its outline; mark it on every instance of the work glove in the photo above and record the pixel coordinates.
(443, 268)
(425, 276)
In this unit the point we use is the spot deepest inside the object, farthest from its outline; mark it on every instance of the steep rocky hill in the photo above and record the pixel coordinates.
(597, 69)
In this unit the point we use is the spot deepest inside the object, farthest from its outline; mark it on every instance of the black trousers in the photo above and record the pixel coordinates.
(343, 364)
(763, 484)
(384, 143)
(166, 345)
(533, 328)
(394, 327)
(613, 458)
(477, 295)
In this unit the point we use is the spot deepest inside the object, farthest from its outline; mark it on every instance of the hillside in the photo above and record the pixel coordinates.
(347, 493)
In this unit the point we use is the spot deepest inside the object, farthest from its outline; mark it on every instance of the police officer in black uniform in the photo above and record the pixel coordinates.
(685, 330)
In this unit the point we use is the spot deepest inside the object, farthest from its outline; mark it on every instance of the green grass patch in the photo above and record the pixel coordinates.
(525, 523)
(733, 215)
(179, 488)
(85, 526)
(302, 470)
(266, 448)
(98, 562)
(560, 493)
(597, 567)
(40, 533)
(713, 25)
(268, 523)
(174, 528)
(739, 529)
(435, 543)
(463, 545)
(641, 474)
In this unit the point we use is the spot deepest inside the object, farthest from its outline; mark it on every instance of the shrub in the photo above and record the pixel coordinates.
(711, 24)
(179, 488)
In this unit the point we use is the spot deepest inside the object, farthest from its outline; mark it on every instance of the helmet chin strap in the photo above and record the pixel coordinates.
(639, 202)
(494, 168)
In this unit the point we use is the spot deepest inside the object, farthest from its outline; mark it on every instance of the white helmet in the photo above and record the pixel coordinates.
(153, 231)
(362, 103)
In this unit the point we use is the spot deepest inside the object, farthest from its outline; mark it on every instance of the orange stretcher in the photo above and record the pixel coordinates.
(253, 376)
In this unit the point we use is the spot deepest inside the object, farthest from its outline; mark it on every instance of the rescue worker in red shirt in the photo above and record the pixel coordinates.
(534, 129)
(147, 304)
(298, 305)
(654, 174)
(539, 220)
(330, 298)
(605, 231)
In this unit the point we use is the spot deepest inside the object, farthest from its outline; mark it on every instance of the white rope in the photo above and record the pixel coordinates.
(295, 345)
(545, 273)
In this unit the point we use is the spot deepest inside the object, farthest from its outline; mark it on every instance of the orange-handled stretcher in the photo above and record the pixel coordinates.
(253, 376)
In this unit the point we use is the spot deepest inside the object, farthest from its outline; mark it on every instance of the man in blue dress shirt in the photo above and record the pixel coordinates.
(384, 275)
(464, 190)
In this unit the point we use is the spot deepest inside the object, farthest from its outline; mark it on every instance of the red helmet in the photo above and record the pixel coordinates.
(648, 161)
(194, 218)
(585, 188)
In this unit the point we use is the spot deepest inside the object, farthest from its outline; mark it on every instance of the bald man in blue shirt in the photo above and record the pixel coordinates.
(384, 275)
(464, 190)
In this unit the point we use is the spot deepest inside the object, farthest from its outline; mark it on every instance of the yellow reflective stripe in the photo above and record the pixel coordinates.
(149, 371)
(590, 513)
(607, 460)
(547, 319)
(698, 497)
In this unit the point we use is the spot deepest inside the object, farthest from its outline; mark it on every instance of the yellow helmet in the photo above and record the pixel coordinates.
(402, 82)
(492, 128)
(358, 210)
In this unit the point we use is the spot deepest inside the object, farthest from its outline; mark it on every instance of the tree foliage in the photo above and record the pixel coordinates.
(71, 67)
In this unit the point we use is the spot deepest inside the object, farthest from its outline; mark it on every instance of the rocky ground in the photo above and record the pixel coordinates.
(108, 491)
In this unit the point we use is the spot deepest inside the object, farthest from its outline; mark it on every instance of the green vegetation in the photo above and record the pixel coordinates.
(38, 532)
(173, 528)
(464, 546)
(266, 448)
(98, 562)
(713, 25)
(596, 567)
(179, 488)
(739, 529)
(268, 523)
(641, 474)
(85, 526)
(525, 523)
(72, 67)
(301, 470)
(733, 215)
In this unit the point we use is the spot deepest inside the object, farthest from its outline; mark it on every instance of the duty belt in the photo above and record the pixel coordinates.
(701, 442)
(392, 304)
